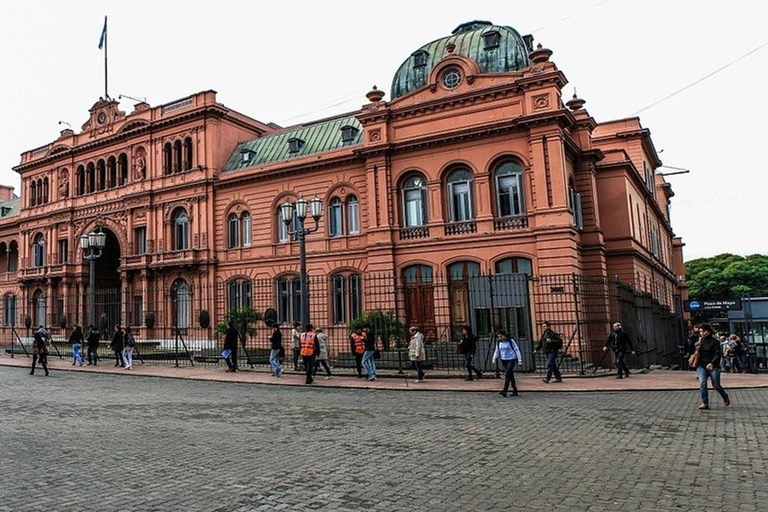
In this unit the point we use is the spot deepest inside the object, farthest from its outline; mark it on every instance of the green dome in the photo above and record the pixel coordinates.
(476, 40)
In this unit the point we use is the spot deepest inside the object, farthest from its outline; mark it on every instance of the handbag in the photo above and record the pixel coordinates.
(226, 353)
(693, 360)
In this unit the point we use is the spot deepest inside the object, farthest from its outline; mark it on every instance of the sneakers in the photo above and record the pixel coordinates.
(281, 372)
(545, 381)
(727, 400)
(703, 407)
(328, 377)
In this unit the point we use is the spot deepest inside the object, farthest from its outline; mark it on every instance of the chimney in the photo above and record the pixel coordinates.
(6, 193)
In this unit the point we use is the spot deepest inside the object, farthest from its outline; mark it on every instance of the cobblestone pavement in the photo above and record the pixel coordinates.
(101, 442)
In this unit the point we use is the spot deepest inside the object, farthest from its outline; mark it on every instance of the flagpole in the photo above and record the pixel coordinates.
(106, 89)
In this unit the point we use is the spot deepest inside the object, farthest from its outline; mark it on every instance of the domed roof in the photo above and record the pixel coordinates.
(495, 48)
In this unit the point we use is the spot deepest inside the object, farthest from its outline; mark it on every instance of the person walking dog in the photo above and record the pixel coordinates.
(552, 343)
(707, 359)
(619, 342)
(509, 353)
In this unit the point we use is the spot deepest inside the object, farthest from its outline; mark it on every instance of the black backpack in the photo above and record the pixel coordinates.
(129, 340)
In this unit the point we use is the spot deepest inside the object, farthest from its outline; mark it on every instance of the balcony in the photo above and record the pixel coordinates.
(511, 223)
(461, 228)
(171, 258)
(414, 233)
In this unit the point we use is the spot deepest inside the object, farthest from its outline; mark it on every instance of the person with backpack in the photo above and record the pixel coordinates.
(117, 345)
(92, 341)
(619, 342)
(509, 353)
(276, 351)
(76, 340)
(468, 348)
(130, 343)
(40, 349)
(357, 347)
(552, 343)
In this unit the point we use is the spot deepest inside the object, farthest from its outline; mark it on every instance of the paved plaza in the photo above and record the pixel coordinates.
(105, 442)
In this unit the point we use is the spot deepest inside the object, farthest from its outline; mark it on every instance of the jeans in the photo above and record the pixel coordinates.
(552, 367)
(419, 370)
(620, 364)
(274, 360)
(509, 374)
(128, 356)
(470, 367)
(714, 375)
(77, 355)
(368, 364)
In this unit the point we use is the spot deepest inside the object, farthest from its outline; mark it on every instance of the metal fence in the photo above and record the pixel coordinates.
(184, 325)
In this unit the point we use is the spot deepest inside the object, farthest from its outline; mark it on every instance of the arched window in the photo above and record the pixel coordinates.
(282, 228)
(38, 250)
(245, 221)
(13, 256)
(38, 300)
(177, 156)
(9, 310)
(514, 266)
(167, 158)
(460, 195)
(415, 210)
(101, 179)
(182, 302)
(459, 276)
(419, 298)
(239, 294)
(122, 169)
(509, 190)
(233, 229)
(91, 173)
(80, 180)
(180, 230)
(33, 193)
(353, 215)
(187, 154)
(288, 299)
(45, 191)
(335, 227)
(111, 172)
(347, 297)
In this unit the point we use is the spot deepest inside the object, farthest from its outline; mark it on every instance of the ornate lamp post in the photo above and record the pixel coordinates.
(299, 209)
(92, 245)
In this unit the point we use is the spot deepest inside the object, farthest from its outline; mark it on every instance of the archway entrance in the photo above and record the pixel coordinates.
(108, 293)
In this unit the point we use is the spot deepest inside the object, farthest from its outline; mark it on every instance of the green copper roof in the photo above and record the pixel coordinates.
(314, 138)
(510, 55)
(10, 208)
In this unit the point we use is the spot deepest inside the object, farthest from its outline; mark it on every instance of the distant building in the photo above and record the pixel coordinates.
(476, 165)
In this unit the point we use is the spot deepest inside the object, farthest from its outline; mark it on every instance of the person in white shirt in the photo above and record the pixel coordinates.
(416, 352)
(509, 353)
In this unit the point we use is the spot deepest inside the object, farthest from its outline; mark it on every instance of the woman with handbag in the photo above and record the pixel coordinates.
(707, 361)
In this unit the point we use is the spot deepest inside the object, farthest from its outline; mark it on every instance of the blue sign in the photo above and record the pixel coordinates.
(712, 305)
(694, 305)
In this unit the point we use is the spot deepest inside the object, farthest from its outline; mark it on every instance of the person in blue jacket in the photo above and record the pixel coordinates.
(509, 353)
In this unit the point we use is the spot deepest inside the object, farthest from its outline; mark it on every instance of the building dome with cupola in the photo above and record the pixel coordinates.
(495, 49)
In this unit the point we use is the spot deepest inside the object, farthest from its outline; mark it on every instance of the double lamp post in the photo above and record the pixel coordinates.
(92, 244)
(299, 210)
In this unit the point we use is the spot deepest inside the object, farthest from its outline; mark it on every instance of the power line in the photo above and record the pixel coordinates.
(572, 15)
(701, 79)
(347, 98)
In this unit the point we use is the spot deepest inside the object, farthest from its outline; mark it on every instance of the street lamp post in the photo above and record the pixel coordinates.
(92, 245)
(299, 209)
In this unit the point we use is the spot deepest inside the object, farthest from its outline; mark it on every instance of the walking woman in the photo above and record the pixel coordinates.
(322, 355)
(76, 340)
(509, 353)
(468, 348)
(708, 366)
(417, 352)
(370, 351)
(276, 346)
(130, 343)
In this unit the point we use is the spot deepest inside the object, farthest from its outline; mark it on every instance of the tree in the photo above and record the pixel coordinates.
(727, 276)
(244, 321)
(379, 323)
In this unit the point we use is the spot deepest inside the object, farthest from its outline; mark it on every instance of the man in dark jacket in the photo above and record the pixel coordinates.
(710, 354)
(619, 342)
(92, 341)
(230, 343)
(40, 349)
(117, 345)
(552, 343)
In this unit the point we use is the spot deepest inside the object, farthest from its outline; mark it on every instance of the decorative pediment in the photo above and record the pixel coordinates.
(104, 115)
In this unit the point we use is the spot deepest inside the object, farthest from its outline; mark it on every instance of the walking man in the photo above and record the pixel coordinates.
(296, 345)
(40, 349)
(552, 343)
(619, 342)
(357, 347)
(322, 354)
(117, 345)
(230, 344)
(417, 352)
(708, 366)
(92, 341)
(308, 348)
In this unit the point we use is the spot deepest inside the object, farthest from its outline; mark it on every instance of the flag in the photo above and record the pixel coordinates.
(103, 34)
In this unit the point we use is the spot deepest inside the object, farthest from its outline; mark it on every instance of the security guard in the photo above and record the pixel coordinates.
(357, 347)
(309, 348)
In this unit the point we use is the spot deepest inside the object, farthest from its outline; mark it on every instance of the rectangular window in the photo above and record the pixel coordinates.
(63, 250)
(59, 310)
(355, 297)
(138, 310)
(140, 235)
(510, 200)
(288, 300)
(9, 310)
(462, 206)
(413, 208)
(334, 217)
(233, 296)
(353, 217)
(246, 222)
(234, 228)
(339, 299)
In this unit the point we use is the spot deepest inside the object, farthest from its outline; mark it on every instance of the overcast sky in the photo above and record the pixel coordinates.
(298, 61)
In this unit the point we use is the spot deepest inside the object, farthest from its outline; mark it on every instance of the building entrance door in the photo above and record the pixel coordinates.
(108, 293)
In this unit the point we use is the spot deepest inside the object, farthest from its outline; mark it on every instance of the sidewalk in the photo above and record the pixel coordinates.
(656, 380)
